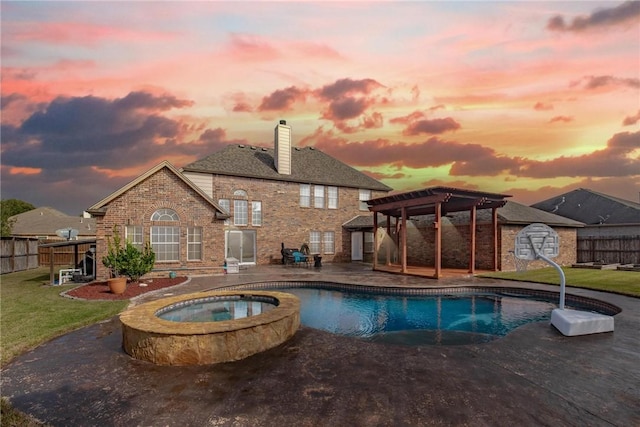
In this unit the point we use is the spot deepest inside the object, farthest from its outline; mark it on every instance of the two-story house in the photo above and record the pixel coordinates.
(244, 202)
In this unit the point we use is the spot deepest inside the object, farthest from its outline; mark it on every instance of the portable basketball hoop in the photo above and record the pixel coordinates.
(539, 241)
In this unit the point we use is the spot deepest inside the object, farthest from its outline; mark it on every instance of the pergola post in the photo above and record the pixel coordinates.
(494, 223)
(438, 241)
(375, 240)
(390, 240)
(403, 239)
(472, 240)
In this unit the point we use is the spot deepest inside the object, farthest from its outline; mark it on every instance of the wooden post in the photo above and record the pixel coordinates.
(403, 239)
(494, 223)
(472, 240)
(375, 240)
(438, 241)
(390, 240)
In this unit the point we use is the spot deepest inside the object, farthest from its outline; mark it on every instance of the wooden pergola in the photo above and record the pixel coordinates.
(436, 201)
(52, 247)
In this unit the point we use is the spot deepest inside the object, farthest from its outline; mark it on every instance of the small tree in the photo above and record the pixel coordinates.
(128, 260)
(135, 262)
(114, 258)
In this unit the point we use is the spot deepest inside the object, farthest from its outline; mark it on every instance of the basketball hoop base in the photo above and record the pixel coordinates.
(573, 322)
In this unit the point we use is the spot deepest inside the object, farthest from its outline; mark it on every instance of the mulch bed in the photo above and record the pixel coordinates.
(100, 290)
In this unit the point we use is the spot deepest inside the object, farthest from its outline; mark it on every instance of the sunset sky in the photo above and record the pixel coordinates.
(527, 98)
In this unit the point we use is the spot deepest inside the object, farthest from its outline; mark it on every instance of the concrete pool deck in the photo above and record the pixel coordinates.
(534, 376)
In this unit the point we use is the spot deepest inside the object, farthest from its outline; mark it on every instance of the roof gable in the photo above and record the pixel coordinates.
(308, 166)
(99, 207)
(592, 207)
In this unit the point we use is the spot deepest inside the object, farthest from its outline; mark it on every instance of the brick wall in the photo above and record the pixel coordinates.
(284, 221)
(455, 245)
(163, 190)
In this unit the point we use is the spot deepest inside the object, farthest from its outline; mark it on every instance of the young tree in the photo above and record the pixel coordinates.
(9, 208)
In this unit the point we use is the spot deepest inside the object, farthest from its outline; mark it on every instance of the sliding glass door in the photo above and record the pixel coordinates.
(241, 244)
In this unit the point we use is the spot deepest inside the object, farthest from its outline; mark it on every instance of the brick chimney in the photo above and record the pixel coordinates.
(282, 142)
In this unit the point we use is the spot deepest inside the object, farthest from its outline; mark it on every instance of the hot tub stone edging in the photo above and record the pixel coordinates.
(163, 342)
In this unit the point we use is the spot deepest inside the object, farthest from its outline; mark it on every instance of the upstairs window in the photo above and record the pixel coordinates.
(364, 195)
(318, 196)
(240, 213)
(224, 204)
(332, 197)
(305, 195)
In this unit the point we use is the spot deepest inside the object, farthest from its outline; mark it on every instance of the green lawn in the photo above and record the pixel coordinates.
(32, 312)
(621, 282)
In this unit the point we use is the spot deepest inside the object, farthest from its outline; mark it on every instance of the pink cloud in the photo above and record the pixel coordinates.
(623, 14)
(541, 106)
(631, 120)
(563, 119)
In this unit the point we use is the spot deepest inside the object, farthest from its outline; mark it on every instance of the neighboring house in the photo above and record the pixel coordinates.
(243, 202)
(612, 225)
(43, 223)
(511, 218)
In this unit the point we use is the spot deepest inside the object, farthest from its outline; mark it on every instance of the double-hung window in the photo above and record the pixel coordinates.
(256, 213)
(368, 242)
(332, 197)
(364, 195)
(305, 195)
(194, 243)
(314, 242)
(133, 234)
(165, 239)
(224, 203)
(240, 213)
(318, 196)
(329, 242)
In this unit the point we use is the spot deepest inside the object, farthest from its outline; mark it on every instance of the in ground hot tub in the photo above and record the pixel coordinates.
(209, 327)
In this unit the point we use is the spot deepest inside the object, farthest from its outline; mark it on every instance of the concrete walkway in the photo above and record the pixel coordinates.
(532, 377)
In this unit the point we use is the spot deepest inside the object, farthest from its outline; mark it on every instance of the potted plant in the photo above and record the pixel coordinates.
(114, 261)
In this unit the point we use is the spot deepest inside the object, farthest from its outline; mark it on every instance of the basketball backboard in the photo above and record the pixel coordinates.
(537, 239)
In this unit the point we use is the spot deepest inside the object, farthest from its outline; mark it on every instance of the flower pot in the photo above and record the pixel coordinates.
(117, 285)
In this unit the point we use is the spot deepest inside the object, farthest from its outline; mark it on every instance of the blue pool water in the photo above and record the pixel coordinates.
(214, 310)
(418, 320)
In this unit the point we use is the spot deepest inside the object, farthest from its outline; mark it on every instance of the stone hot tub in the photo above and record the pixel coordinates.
(235, 325)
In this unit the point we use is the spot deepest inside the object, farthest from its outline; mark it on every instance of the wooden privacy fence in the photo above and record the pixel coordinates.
(609, 249)
(63, 255)
(18, 254)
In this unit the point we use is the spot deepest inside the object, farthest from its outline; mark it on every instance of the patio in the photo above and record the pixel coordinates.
(534, 376)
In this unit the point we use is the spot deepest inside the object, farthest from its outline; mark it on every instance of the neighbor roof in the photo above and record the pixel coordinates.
(45, 221)
(592, 207)
(308, 166)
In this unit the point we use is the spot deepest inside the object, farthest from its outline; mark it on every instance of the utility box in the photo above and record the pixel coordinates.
(232, 265)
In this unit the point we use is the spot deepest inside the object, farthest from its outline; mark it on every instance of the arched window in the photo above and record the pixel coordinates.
(240, 208)
(240, 194)
(165, 215)
(165, 240)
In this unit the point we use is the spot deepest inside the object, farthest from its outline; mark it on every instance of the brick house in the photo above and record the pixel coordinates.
(244, 202)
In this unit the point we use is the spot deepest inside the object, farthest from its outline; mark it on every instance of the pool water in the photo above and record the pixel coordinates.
(214, 310)
(418, 320)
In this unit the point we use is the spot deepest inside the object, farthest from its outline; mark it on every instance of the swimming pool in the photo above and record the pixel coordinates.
(445, 316)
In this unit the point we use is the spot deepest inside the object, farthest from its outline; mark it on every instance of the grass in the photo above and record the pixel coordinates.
(620, 282)
(32, 312)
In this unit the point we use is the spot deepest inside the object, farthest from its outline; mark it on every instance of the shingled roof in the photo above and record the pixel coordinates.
(45, 221)
(510, 213)
(308, 166)
(592, 207)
